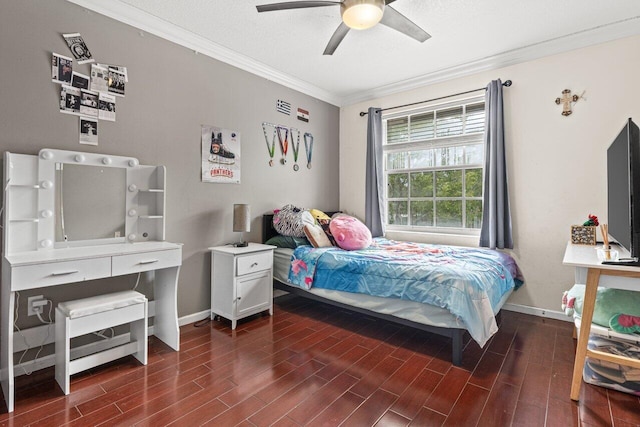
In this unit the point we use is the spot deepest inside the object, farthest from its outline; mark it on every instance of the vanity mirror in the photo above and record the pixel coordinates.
(61, 199)
(90, 203)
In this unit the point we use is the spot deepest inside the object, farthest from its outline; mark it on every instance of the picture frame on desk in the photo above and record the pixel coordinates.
(583, 235)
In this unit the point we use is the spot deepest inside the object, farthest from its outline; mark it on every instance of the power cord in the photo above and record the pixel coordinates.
(26, 343)
(137, 281)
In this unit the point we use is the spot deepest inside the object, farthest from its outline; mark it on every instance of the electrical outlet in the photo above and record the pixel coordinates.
(32, 308)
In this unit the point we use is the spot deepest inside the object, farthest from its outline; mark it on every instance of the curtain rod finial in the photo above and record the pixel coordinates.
(362, 114)
(508, 83)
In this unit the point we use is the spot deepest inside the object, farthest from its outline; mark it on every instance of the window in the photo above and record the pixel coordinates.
(433, 162)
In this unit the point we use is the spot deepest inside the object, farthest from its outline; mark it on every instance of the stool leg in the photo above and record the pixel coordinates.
(63, 349)
(138, 332)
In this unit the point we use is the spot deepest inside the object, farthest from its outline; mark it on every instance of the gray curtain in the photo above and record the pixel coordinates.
(374, 182)
(496, 214)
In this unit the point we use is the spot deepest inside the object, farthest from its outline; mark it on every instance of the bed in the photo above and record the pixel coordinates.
(434, 317)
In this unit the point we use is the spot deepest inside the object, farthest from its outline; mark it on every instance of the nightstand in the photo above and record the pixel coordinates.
(241, 281)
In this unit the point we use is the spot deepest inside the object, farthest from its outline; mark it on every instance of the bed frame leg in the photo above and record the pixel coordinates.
(456, 347)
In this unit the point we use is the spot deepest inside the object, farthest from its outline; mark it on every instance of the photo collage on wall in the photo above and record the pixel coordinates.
(92, 97)
(220, 155)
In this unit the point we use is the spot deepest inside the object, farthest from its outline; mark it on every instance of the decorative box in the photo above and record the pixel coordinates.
(583, 235)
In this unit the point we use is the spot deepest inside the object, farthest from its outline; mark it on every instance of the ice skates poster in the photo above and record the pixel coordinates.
(220, 155)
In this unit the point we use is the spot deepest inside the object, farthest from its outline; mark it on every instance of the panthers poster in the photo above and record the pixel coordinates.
(220, 155)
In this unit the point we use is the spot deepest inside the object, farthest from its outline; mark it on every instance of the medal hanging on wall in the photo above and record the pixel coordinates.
(271, 148)
(308, 146)
(295, 147)
(284, 143)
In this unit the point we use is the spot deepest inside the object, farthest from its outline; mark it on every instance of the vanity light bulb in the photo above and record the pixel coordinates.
(46, 184)
(46, 213)
(132, 236)
(79, 158)
(46, 155)
(106, 160)
(133, 163)
(46, 243)
(133, 187)
(132, 212)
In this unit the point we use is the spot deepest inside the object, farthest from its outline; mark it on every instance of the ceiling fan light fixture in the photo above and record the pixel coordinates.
(362, 14)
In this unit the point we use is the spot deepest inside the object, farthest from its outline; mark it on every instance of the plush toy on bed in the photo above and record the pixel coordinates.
(350, 234)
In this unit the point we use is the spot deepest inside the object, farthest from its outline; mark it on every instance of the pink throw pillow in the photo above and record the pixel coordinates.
(350, 233)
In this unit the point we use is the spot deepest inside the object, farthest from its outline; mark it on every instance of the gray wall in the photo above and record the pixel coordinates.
(171, 92)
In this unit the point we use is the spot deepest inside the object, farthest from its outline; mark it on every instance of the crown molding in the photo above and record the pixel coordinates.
(141, 20)
(602, 34)
(137, 18)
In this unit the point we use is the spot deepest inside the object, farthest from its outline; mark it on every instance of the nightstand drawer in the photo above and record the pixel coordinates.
(254, 262)
(156, 260)
(57, 273)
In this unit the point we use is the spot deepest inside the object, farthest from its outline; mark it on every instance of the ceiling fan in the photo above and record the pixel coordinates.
(359, 15)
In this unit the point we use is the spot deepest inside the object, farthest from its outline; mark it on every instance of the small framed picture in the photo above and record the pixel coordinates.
(583, 235)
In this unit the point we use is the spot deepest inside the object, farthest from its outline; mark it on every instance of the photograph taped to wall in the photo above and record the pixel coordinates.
(88, 103)
(78, 48)
(106, 107)
(88, 131)
(99, 78)
(80, 80)
(118, 68)
(115, 82)
(69, 100)
(61, 68)
(220, 155)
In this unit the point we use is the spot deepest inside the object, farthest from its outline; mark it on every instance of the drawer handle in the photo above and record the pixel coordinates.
(254, 264)
(64, 273)
(151, 261)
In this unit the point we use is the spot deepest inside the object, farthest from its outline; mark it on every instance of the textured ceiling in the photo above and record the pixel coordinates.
(488, 33)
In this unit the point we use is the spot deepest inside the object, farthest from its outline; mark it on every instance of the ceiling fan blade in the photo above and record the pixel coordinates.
(394, 19)
(294, 5)
(336, 39)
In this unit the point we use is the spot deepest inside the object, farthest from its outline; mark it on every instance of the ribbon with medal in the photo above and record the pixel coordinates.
(308, 146)
(284, 142)
(295, 147)
(271, 148)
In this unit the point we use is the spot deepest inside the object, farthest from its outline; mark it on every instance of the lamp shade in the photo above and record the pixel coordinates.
(241, 218)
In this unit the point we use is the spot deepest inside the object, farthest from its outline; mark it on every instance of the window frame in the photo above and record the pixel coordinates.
(432, 143)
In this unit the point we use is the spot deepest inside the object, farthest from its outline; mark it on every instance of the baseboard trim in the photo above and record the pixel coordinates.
(535, 311)
(192, 318)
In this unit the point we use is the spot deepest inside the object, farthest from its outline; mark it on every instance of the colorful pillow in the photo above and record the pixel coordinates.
(318, 215)
(350, 233)
(316, 236)
(287, 241)
(324, 223)
(610, 303)
(290, 221)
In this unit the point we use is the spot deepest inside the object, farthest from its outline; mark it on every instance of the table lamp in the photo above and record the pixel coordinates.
(241, 222)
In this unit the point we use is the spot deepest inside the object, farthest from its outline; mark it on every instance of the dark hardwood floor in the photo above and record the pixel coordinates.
(311, 364)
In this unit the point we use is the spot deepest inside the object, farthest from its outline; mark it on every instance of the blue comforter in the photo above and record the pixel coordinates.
(469, 282)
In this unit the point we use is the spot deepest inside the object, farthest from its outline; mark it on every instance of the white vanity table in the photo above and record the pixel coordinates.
(40, 250)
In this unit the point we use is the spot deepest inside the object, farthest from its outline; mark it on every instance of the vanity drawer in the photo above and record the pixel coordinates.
(254, 262)
(134, 263)
(57, 273)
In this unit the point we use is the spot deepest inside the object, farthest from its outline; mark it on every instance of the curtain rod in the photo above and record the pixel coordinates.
(364, 113)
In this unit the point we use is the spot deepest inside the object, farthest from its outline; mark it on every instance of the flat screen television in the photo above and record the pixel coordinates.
(623, 189)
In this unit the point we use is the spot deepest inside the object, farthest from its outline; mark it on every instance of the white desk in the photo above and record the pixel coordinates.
(585, 259)
(41, 269)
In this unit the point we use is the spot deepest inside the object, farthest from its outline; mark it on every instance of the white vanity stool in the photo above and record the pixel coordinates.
(83, 316)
